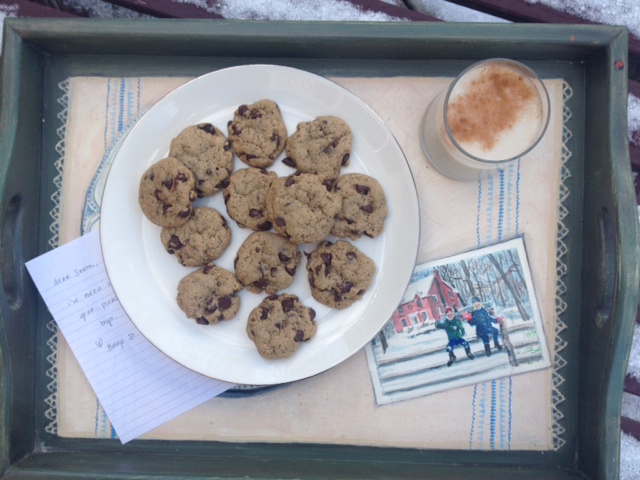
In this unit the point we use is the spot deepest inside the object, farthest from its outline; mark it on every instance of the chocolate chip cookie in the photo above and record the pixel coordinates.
(205, 150)
(166, 193)
(364, 206)
(258, 133)
(209, 295)
(266, 262)
(322, 146)
(245, 197)
(302, 208)
(279, 324)
(203, 238)
(339, 273)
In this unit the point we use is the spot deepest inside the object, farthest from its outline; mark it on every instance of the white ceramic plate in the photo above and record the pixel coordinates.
(145, 276)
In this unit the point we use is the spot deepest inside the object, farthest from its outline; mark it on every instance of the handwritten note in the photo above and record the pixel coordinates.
(138, 386)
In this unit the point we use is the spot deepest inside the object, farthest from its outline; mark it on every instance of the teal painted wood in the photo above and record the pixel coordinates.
(19, 194)
(46, 52)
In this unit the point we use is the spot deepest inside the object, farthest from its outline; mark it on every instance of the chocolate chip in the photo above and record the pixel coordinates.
(207, 269)
(289, 181)
(223, 184)
(226, 197)
(264, 226)
(326, 258)
(273, 296)
(290, 270)
(260, 284)
(210, 309)
(264, 314)
(166, 207)
(346, 287)
(350, 221)
(281, 222)
(202, 321)
(174, 243)
(289, 162)
(367, 208)
(337, 297)
(312, 282)
(287, 304)
(274, 272)
(207, 127)
(242, 109)
(249, 156)
(276, 138)
(299, 336)
(327, 270)
(235, 130)
(362, 189)
(331, 147)
(345, 159)
(225, 302)
(312, 313)
(182, 177)
(351, 255)
(168, 183)
(151, 176)
(158, 194)
(318, 268)
(185, 213)
(229, 123)
(255, 114)
(328, 184)
(255, 213)
(278, 325)
(283, 257)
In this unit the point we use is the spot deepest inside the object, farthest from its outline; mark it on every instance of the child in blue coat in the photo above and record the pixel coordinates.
(481, 319)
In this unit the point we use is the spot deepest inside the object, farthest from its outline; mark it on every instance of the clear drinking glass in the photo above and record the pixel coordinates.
(494, 112)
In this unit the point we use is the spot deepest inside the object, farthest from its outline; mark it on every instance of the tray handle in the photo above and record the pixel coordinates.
(11, 252)
(608, 255)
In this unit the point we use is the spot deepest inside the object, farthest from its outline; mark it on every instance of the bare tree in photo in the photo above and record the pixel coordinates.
(514, 291)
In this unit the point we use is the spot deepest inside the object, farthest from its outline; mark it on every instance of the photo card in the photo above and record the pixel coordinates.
(463, 320)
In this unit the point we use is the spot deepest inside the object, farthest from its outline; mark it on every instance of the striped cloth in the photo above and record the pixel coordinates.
(522, 412)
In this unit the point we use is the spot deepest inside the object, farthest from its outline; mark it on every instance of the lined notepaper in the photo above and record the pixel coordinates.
(138, 386)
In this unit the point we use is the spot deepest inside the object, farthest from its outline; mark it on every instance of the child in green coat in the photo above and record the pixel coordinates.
(455, 333)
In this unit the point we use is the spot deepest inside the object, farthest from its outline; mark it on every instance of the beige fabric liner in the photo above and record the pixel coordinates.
(338, 406)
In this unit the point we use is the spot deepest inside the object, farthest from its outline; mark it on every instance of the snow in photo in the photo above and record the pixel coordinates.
(463, 320)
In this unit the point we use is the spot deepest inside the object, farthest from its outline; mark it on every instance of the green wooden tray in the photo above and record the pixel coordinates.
(602, 259)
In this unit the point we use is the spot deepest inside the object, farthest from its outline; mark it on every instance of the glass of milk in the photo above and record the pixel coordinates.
(494, 112)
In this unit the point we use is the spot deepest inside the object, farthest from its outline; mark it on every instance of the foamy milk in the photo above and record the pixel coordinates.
(494, 112)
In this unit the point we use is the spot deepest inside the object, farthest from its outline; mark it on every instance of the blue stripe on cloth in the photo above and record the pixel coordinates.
(498, 210)
(106, 119)
(510, 412)
(121, 100)
(473, 415)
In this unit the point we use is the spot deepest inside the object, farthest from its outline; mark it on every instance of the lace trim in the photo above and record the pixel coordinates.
(51, 411)
(557, 398)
